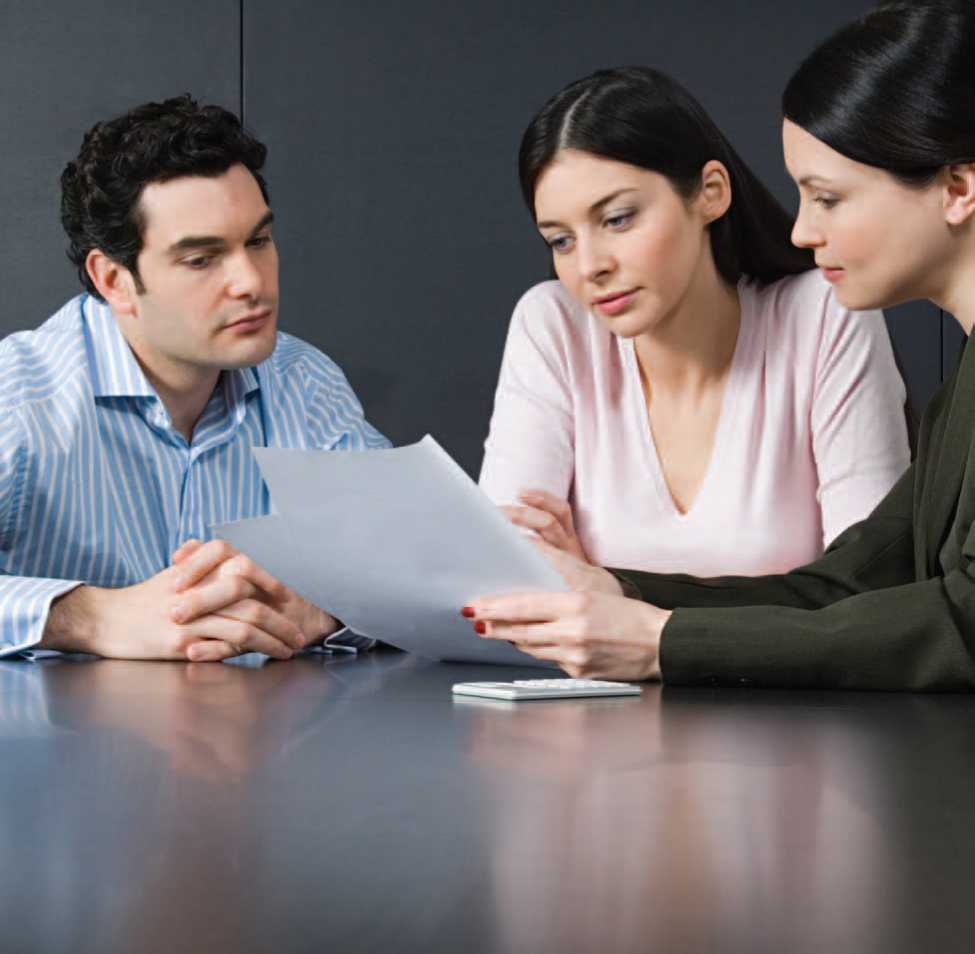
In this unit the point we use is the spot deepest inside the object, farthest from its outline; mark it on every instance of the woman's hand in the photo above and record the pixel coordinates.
(550, 517)
(590, 635)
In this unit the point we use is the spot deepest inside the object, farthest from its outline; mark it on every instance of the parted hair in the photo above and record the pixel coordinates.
(895, 89)
(154, 142)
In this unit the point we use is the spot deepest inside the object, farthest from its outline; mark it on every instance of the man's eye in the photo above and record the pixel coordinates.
(198, 262)
(260, 241)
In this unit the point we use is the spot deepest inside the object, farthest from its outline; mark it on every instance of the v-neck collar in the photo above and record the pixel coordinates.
(726, 416)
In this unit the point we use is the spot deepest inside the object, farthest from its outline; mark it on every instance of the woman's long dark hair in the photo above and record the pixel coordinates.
(895, 89)
(641, 116)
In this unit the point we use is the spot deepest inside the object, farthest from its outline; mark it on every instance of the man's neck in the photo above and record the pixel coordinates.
(185, 403)
(183, 389)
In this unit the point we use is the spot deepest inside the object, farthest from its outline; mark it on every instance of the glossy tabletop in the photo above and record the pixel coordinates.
(351, 805)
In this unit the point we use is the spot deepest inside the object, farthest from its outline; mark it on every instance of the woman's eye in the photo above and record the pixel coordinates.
(619, 220)
(825, 202)
(559, 243)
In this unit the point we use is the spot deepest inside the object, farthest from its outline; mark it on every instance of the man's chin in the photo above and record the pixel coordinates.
(247, 355)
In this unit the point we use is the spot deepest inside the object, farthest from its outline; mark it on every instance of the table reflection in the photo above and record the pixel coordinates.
(619, 821)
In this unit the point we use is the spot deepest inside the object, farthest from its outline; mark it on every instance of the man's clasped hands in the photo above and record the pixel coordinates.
(211, 603)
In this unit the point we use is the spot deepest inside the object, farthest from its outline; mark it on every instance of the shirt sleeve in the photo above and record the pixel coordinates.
(530, 441)
(858, 421)
(25, 602)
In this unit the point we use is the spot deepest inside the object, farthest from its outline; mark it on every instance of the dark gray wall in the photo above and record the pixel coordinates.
(392, 131)
(62, 68)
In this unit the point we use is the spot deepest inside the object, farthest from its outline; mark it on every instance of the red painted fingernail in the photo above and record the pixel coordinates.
(480, 628)
(467, 611)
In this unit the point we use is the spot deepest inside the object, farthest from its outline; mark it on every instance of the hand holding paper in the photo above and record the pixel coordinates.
(373, 538)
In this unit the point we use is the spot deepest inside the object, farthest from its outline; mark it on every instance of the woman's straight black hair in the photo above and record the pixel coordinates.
(640, 116)
(895, 89)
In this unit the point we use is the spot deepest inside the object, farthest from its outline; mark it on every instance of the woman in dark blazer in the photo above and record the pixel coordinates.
(879, 134)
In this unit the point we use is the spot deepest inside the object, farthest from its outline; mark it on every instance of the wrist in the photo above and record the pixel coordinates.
(656, 620)
(606, 582)
(71, 622)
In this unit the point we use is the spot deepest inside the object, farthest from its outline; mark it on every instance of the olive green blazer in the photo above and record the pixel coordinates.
(890, 605)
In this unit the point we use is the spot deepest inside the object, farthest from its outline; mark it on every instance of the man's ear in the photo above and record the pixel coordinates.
(714, 198)
(959, 193)
(115, 283)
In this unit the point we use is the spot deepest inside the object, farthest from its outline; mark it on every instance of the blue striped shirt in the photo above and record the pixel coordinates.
(96, 486)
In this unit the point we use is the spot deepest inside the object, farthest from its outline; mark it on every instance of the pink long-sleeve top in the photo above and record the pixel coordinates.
(810, 437)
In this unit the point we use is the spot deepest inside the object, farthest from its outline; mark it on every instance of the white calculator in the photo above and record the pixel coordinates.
(545, 689)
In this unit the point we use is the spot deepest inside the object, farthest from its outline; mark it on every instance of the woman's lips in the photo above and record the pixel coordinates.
(832, 274)
(615, 304)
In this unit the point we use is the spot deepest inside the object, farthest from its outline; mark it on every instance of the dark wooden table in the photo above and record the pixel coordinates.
(352, 805)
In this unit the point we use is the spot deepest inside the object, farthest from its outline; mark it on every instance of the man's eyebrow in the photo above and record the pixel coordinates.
(191, 242)
(263, 224)
(595, 207)
(196, 241)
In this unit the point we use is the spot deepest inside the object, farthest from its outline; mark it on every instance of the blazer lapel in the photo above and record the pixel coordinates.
(944, 472)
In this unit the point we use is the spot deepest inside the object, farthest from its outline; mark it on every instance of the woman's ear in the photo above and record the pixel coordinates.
(714, 198)
(959, 193)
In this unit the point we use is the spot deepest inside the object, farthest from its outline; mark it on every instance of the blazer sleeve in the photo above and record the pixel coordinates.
(857, 618)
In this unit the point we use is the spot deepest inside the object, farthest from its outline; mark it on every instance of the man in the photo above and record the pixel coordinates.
(127, 419)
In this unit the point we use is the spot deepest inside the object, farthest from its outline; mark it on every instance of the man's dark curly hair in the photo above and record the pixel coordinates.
(101, 188)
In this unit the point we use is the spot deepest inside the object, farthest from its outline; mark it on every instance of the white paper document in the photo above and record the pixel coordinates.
(393, 543)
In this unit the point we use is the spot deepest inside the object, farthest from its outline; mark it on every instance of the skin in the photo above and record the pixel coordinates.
(614, 227)
(207, 303)
(846, 211)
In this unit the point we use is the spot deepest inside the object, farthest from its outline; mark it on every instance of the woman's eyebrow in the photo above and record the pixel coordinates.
(595, 207)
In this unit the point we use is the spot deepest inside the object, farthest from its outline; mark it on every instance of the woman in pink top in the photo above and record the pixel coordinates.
(689, 396)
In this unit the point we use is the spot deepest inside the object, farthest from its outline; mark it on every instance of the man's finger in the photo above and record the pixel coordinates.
(210, 650)
(245, 567)
(246, 636)
(190, 546)
(267, 620)
(210, 598)
(202, 561)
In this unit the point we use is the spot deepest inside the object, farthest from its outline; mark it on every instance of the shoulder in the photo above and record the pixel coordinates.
(802, 312)
(317, 392)
(37, 365)
(294, 360)
(549, 304)
(549, 320)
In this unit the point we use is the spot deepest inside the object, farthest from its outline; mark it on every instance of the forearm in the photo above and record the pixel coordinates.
(25, 608)
(71, 622)
(910, 637)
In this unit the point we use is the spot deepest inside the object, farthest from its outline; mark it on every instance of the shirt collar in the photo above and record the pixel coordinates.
(115, 372)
